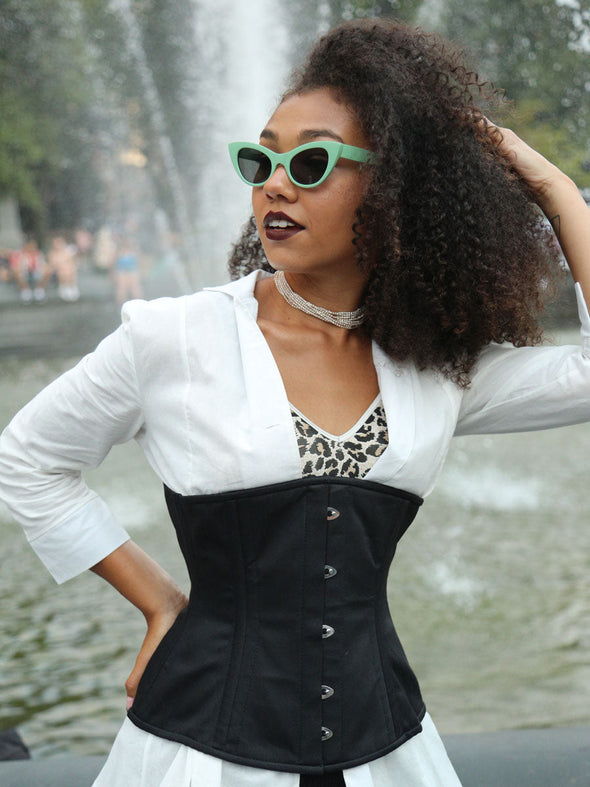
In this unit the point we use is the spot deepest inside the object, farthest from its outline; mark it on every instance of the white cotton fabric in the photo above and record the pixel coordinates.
(139, 759)
(165, 376)
(193, 380)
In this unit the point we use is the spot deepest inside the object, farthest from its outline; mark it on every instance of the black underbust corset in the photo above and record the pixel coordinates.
(286, 657)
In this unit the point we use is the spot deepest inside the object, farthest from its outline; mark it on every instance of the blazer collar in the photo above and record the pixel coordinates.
(243, 290)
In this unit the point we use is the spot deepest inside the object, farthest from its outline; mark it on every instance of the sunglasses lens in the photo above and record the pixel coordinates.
(309, 166)
(254, 165)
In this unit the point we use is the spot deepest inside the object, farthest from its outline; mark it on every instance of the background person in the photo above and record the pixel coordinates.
(30, 271)
(126, 272)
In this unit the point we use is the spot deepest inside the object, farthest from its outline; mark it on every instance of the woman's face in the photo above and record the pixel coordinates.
(322, 238)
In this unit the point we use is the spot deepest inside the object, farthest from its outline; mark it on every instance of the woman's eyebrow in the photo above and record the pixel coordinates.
(314, 133)
(304, 136)
(266, 133)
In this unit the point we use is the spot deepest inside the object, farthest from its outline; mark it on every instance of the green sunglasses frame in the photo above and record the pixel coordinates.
(335, 150)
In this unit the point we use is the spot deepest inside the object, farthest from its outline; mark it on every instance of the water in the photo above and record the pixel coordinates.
(490, 592)
(175, 183)
(234, 67)
(244, 64)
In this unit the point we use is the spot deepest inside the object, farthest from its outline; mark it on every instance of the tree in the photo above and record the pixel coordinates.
(75, 94)
(46, 103)
(313, 17)
(538, 53)
(145, 48)
(405, 10)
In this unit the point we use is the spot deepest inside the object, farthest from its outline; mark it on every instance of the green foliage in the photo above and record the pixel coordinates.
(46, 99)
(551, 138)
(535, 52)
(312, 17)
(76, 95)
(21, 147)
(405, 10)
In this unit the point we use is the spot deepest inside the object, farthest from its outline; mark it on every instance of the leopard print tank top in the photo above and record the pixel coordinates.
(350, 455)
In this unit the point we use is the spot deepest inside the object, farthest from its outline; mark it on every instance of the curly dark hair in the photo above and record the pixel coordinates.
(457, 253)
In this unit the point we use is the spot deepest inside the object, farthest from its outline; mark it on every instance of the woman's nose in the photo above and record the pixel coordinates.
(280, 185)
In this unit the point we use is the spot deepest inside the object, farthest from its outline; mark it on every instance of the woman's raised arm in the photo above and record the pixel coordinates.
(559, 198)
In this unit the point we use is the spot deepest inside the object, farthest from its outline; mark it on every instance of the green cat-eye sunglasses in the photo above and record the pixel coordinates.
(307, 165)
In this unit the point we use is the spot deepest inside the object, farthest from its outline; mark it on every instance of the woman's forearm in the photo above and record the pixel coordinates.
(151, 589)
(559, 198)
(569, 215)
(141, 581)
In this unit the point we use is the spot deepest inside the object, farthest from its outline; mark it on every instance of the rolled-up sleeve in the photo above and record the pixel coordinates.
(67, 428)
(527, 388)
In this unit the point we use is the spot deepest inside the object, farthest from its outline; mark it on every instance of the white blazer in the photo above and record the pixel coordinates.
(193, 380)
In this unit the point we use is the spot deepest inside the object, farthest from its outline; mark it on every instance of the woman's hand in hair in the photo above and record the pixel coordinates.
(559, 198)
(542, 177)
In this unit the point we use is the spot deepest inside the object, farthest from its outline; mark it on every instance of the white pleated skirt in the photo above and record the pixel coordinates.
(139, 759)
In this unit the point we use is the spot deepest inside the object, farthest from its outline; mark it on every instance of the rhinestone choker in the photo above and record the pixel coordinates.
(348, 320)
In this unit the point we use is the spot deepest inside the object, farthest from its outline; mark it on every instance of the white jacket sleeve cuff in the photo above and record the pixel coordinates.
(80, 541)
(584, 320)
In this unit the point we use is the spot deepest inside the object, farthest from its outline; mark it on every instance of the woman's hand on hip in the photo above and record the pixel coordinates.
(149, 588)
(157, 626)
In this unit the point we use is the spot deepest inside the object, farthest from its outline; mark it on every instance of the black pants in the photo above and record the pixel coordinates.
(331, 780)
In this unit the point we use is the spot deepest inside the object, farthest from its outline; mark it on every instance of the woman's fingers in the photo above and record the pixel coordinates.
(144, 655)
(535, 169)
(157, 628)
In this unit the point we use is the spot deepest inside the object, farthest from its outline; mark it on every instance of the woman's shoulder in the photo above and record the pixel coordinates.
(205, 309)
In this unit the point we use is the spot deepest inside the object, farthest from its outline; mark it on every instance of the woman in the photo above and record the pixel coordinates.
(298, 420)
